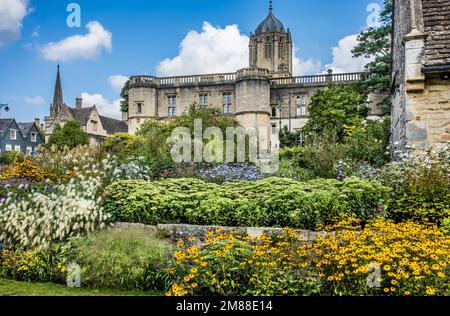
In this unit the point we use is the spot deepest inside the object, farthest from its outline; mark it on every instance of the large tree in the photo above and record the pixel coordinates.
(375, 43)
(124, 96)
(334, 108)
(70, 135)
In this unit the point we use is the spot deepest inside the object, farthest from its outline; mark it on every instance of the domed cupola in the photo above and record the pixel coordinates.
(271, 24)
(271, 46)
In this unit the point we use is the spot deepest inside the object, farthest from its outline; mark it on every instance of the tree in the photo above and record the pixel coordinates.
(333, 108)
(124, 96)
(376, 43)
(70, 135)
(289, 139)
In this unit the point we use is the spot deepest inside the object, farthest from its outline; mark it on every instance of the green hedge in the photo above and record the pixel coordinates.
(273, 202)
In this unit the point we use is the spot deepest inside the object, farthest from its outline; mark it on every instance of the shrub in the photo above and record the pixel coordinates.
(32, 265)
(413, 259)
(421, 187)
(124, 145)
(232, 265)
(121, 259)
(70, 135)
(268, 202)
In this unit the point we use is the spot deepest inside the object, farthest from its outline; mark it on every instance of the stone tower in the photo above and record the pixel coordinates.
(271, 47)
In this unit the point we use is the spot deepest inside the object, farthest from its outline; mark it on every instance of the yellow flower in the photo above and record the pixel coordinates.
(430, 291)
(194, 270)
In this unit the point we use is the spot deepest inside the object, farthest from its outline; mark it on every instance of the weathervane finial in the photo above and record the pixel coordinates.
(270, 5)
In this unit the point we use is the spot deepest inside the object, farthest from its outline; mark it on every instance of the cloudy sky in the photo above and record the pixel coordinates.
(118, 38)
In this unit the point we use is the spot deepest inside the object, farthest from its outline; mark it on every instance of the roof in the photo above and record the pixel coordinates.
(436, 18)
(25, 127)
(271, 24)
(5, 124)
(81, 115)
(113, 126)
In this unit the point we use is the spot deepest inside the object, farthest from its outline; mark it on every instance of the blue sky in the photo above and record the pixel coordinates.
(135, 37)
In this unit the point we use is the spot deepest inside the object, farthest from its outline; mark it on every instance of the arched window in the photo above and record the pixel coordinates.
(281, 48)
(268, 48)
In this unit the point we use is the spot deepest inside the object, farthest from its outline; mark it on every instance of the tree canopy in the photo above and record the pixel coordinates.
(70, 135)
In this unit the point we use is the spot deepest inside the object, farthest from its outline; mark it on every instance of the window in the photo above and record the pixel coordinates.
(17, 148)
(274, 129)
(94, 126)
(274, 112)
(301, 106)
(172, 105)
(281, 49)
(268, 48)
(29, 150)
(227, 103)
(203, 98)
(8, 147)
(13, 134)
(139, 108)
(33, 137)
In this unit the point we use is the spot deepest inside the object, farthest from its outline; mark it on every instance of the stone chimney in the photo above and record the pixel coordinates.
(37, 121)
(78, 103)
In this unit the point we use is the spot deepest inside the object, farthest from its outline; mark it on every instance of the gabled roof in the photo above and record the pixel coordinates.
(113, 126)
(25, 128)
(436, 18)
(81, 115)
(5, 124)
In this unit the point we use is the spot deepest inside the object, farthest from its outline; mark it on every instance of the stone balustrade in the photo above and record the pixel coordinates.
(139, 81)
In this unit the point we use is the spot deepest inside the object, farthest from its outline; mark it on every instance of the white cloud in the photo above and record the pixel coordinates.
(117, 82)
(104, 106)
(304, 67)
(88, 46)
(343, 60)
(213, 50)
(12, 13)
(37, 100)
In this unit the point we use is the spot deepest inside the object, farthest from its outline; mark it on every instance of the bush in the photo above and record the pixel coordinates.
(420, 187)
(121, 259)
(70, 135)
(412, 259)
(268, 202)
(232, 265)
(32, 265)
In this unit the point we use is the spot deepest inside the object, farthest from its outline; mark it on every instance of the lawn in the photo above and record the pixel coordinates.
(16, 288)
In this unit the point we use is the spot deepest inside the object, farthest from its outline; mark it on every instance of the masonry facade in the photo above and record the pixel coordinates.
(265, 95)
(421, 74)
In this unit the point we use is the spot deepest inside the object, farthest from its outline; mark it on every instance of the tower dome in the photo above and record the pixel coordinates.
(271, 24)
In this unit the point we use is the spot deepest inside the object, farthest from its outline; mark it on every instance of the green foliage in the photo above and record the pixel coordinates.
(124, 95)
(376, 43)
(421, 188)
(120, 259)
(10, 157)
(289, 139)
(70, 135)
(124, 145)
(332, 108)
(269, 202)
(32, 265)
(368, 142)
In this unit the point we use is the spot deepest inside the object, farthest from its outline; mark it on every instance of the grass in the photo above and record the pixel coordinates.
(16, 288)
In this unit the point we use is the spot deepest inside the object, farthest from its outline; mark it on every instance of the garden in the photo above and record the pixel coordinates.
(382, 226)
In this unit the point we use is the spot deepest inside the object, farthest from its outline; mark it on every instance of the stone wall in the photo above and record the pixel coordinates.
(183, 232)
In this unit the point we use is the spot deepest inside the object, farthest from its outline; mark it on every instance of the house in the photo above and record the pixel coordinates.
(96, 126)
(20, 137)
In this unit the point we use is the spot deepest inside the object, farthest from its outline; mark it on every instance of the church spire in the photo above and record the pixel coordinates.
(57, 97)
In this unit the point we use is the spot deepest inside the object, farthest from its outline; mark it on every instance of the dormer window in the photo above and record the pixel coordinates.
(33, 137)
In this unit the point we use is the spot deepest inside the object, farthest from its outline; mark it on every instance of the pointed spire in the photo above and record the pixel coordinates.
(58, 97)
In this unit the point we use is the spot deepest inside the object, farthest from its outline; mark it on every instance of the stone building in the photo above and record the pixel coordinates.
(263, 95)
(421, 73)
(96, 126)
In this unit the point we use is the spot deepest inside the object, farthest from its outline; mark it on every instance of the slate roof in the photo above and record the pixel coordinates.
(81, 115)
(113, 126)
(5, 124)
(436, 18)
(271, 24)
(25, 128)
